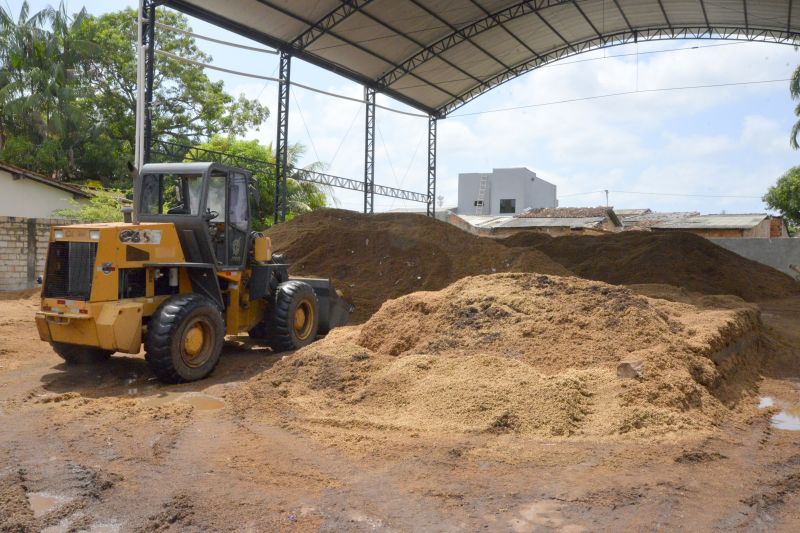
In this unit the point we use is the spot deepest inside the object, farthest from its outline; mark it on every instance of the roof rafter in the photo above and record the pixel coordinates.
(789, 18)
(417, 43)
(744, 8)
(624, 16)
(664, 12)
(552, 29)
(619, 38)
(586, 18)
(327, 22)
(705, 13)
(353, 44)
(453, 28)
(503, 26)
(460, 35)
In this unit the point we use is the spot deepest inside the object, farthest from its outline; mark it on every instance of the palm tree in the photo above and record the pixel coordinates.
(794, 89)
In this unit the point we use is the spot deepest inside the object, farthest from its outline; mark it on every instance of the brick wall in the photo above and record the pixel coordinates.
(23, 249)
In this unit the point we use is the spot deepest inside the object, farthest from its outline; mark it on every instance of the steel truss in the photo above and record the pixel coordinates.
(282, 137)
(172, 151)
(369, 151)
(431, 166)
(617, 39)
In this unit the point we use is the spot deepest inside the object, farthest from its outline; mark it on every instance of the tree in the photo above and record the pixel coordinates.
(103, 206)
(784, 196)
(301, 196)
(68, 92)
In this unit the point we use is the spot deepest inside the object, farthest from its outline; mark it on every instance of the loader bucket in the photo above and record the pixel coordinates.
(334, 311)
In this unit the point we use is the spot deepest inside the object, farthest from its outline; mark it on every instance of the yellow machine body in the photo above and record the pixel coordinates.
(109, 320)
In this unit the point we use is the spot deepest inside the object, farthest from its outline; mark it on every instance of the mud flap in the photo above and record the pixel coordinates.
(333, 310)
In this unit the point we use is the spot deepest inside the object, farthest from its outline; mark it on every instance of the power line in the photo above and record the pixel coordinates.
(682, 195)
(292, 83)
(213, 40)
(624, 93)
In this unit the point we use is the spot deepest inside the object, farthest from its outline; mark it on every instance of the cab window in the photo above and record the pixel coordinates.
(171, 194)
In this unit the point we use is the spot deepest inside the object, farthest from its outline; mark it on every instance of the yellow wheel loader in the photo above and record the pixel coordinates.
(184, 270)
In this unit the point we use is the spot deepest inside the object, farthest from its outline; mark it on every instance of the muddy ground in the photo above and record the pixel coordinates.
(107, 448)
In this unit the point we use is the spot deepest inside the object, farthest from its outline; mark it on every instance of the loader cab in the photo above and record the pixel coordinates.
(207, 202)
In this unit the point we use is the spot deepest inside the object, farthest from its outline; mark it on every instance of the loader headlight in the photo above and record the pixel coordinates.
(94, 235)
(58, 234)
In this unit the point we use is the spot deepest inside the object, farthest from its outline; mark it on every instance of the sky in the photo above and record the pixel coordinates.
(712, 150)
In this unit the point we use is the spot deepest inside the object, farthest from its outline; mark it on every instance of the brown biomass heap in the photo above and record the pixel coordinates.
(681, 259)
(377, 257)
(525, 354)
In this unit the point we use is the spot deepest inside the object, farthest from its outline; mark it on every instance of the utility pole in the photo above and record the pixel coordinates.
(606, 191)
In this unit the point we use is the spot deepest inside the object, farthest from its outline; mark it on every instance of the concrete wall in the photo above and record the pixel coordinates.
(23, 250)
(27, 198)
(777, 253)
(519, 184)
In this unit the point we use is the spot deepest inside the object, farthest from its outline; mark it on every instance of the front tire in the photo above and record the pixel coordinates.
(184, 338)
(75, 354)
(292, 320)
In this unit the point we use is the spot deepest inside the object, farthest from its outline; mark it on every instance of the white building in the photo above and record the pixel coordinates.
(504, 191)
(30, 195)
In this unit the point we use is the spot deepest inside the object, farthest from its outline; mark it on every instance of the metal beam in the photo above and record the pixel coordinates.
(369, 151)
(178, 152)
(620, 38)
(282, 138)
(213, 17)
(326, 23)
(503, 26)
(789, 18)
(746, 21)
(664, 12)
(431, 166)
(462, 34)
(624, 17)
(705, 13)
(586, 18)
(148, 40)
(354, 44)
(453, 28)
(421, 45)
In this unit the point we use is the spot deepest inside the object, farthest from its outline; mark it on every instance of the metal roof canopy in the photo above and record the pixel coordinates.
(437, 55)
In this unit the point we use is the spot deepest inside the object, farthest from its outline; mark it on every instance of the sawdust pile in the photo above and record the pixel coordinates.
(377, 257)
(680, 259)
(525, 354)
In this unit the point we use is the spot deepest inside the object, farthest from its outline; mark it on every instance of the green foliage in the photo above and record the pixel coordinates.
(68, 92)
(301, 196)
(104, 206)
(784, 196)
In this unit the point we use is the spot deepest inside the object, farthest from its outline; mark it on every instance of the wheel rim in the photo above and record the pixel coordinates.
(303, 322)
(197, 343)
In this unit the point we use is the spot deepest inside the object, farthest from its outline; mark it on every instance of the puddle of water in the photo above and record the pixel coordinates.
(765, 402)
(788, 419)
(42, 503)
(201, 402)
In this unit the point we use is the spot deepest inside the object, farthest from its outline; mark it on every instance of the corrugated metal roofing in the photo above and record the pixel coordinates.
(514, 222)
(739, 221)
(437, 55)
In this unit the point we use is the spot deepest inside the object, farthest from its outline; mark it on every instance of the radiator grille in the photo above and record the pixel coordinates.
(69, 270)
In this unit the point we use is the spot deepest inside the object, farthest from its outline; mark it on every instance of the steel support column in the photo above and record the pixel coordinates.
(282, 138)
(369, 151)
(431, 165)
(148, 41)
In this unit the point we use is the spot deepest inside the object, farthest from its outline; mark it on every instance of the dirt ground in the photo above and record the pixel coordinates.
(107, 448)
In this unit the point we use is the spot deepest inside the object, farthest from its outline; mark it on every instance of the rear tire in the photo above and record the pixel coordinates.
(75, 354)
(292, 319)
(184, 338)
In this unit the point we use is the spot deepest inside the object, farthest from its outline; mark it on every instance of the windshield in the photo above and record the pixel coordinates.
(171, 194)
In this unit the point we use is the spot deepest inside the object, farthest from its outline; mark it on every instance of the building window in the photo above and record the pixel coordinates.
(478, 203)
(508, 206)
